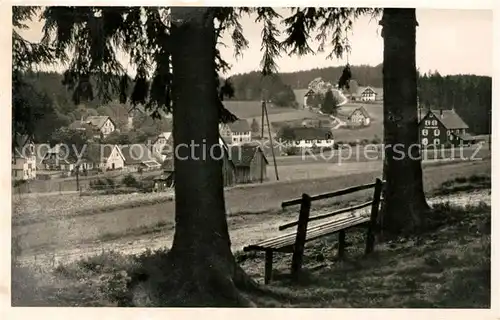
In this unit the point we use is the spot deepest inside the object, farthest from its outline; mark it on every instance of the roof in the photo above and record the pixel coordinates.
(141, 109)
(151, 163)
(136, 153)
(378, 91)
(165, 135)
(240, 125)
(345, 112)
(299, 95)
(78, 125)
(466, 137)
(98, 121)
(20, 142)
(168, 163)
(450, 119)
(363, 89)
(311, 133)
(97, 152)
(243, 155)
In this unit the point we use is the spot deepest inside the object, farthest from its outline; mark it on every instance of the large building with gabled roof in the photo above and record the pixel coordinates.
(442, 127)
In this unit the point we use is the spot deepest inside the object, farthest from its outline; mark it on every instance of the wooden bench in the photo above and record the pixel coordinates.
(294, 242)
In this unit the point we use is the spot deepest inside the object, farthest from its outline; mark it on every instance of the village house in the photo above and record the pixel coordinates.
(237, 132)
(162, 141)
(310, 137)
(56, 158)
(24, 160)
(139, 157)
(443, 127)
(250, 163)
(350, 116)
(104, 123)
(228, 168)
(364, 94)
(101, 125)
(309, 93)
(94, 157)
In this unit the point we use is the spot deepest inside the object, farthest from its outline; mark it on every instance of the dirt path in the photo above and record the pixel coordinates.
(243, 228)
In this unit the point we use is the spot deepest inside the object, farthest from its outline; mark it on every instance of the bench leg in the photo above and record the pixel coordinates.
(341, 244)
(269, 267)
(370, 240)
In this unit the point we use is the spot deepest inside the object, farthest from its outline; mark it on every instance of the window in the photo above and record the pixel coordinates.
(427, 123)
(437, 141)
(425, 132)
(436, 132)
(451, 137)
(448, 132)
(434, 122)
(425, 141)
(319, 141)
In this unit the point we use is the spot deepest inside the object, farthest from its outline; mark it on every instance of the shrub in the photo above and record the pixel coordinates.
(98, 184)
(18, 183)
(292, 151)
(129, 181)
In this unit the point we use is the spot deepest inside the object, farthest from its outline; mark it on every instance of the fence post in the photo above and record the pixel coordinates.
(370, 235)
(300, 240)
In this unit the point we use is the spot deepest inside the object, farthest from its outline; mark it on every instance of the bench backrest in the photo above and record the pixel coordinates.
(305, 203)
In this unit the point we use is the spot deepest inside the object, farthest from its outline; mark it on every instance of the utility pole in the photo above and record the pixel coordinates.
(264, 106)
(262, 138)
(265, 114)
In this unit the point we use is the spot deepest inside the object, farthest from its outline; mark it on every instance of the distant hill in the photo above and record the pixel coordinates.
(365, 76)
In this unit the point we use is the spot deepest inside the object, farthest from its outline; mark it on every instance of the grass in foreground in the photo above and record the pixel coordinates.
(447, 266)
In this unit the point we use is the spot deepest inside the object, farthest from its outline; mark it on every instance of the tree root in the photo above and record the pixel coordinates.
(176, 283)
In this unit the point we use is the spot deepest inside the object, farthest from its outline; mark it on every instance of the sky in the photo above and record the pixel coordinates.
(450, 41)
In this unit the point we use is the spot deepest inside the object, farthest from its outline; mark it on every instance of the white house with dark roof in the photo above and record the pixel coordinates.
(364, 93)
(352, 116)
(310, 137)
(104, 125)
(160, 142)
(140, 156)
(24, 159)
(238, 132)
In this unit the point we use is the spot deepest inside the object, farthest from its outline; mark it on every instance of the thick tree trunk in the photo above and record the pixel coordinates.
(202, 269)
(405, 204)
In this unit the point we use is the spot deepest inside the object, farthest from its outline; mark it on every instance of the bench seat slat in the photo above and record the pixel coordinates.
(275, 242)
(312, 233)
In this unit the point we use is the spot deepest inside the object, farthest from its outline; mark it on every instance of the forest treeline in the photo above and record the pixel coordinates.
(470, 95)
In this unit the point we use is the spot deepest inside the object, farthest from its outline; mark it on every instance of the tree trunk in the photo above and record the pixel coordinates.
(202, 269)
(405, 204)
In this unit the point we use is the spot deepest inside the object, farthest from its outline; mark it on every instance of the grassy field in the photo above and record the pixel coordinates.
(448, 265)
(66, 228)
(253, 109)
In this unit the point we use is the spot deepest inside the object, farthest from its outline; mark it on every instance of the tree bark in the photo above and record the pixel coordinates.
(202, 270)
(405, 205)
